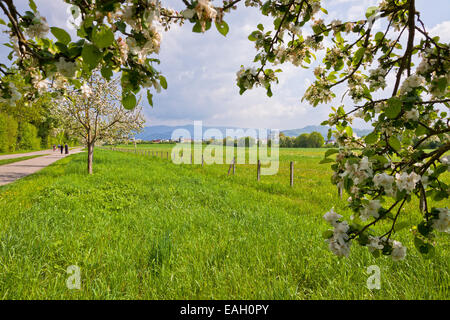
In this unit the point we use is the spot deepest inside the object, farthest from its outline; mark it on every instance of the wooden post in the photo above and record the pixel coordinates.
(340, 191)
(258, 170)
(292, 173)
(229, 169)
(202, 160)
(234, 165)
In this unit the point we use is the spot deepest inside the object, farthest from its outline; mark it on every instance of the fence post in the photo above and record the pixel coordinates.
(234, 165)
(229, 169)
(292, 173)
(340, 191)
(202, 160)
(258, 172)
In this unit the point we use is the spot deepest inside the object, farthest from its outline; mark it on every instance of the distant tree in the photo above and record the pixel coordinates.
(316, 140)
(95, 113)
(302, 141)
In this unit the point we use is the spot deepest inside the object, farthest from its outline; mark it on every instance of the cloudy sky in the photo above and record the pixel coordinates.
(201, 69)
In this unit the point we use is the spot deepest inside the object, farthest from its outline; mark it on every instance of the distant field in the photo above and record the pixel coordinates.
(145, 228)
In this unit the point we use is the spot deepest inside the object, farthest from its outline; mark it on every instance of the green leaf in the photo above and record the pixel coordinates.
(2, 22)
(395, 143)
(91, 55)
(103, 37)
(150, 98)
(329, 152)
(379, 36)
(129, 100)
(107, 73)
(163, 82)
(371, 11)
(349, 131)
(32, 5)
(358, 55)
(371, 138)
(326, 160)
(222, 27)
(197, 27)
(61, 35)
(421, 130)
(327, 234)
(394, 108)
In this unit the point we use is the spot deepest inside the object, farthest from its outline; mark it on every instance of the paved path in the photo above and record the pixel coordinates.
(13, 171)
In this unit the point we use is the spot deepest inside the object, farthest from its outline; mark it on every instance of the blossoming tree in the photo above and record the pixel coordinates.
(381, 172)
(95, 113)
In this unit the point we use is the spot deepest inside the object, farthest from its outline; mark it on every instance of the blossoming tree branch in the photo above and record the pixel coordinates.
(380, 172)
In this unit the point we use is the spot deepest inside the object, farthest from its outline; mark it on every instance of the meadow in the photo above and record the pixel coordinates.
(142, 227)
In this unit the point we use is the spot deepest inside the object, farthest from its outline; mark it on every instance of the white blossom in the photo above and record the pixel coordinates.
(370, 210)
(332, 217)
(383, 180)
(38, 27)
(86, 91)
(412, 82)
(412, 115)
(66, 68)
(407, 181)
(375, 243)
(398, 251)
(442, 223)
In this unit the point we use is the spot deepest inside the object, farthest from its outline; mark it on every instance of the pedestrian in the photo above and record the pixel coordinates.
(62, 148)
(54, 148)
(67, 148)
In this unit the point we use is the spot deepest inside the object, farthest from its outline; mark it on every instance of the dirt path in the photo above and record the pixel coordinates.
(11, 172)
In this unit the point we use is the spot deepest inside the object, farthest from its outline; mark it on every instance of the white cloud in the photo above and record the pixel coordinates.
(442, 30)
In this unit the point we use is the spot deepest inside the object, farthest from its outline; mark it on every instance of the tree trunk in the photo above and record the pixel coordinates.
(90, 156)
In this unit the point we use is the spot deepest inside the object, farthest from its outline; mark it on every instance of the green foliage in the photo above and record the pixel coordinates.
(27, 137)
(305, 140)
(8, 133)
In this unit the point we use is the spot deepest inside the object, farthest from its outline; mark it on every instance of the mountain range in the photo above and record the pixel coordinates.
(165, 132)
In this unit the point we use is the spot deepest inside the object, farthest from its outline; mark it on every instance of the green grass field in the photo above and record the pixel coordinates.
(145, 228)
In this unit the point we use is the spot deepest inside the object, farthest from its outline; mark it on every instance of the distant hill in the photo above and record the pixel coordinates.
(322, 129)
(165, 132)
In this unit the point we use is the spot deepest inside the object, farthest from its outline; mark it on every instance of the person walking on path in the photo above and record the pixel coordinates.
(66, 147)
(62, 148)
(54, 148)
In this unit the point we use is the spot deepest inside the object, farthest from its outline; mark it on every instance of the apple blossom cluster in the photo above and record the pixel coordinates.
(38, 27)
(338, 241)
(204, 11)
(10, 95)
(247, 78)
(441, 222)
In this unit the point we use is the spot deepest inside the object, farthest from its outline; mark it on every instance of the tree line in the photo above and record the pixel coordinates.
(29, 125)
(305, 140)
